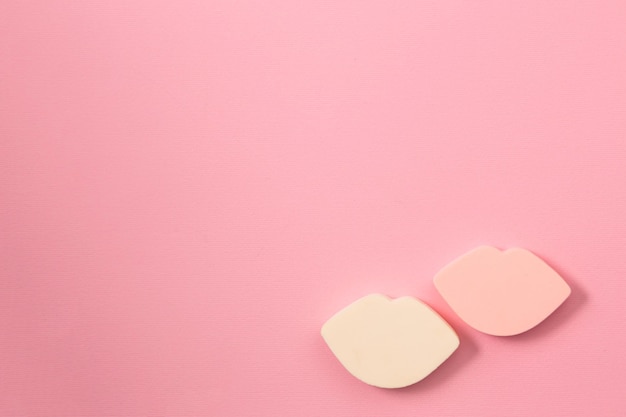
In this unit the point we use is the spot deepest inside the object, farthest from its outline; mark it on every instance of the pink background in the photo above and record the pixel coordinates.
(189, 189)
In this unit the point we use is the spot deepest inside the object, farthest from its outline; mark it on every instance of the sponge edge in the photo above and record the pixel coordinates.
(389, 343)
(501, 293)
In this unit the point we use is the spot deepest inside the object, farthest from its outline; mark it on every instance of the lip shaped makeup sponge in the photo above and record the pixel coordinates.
(389, 343)
(501, 293)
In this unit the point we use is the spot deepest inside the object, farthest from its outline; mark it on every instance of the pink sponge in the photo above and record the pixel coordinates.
(501, 293)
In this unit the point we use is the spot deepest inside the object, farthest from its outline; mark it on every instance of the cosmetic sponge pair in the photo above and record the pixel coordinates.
(393, 343)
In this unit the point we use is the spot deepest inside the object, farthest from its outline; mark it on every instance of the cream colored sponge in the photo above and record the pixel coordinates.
(501, 293)
(389, 343)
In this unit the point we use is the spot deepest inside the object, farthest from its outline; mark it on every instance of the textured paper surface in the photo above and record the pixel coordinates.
(189, 189)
